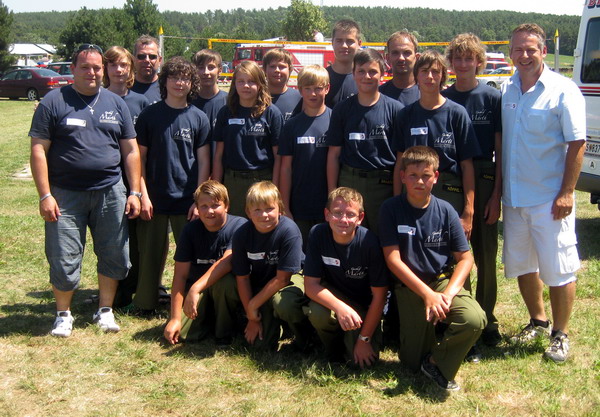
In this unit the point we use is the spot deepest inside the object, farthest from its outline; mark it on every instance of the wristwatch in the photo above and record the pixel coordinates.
(136, 193)
(365, 339)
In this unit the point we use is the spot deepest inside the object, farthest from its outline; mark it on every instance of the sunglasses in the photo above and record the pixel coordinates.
(141, 57)
(86, 46)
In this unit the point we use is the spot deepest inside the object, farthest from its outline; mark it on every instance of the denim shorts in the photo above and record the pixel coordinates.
(104, 212)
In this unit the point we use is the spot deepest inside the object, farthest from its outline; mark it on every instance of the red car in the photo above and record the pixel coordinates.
(32, 83)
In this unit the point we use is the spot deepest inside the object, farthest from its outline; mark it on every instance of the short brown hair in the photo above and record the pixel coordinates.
(430, 58)
(531, 29)
(401, 35)
(146, 40)
(420, 154)
(364, 56)
(276, 55)
(113, 54)
(264, 192)
(467, 44)
(179, 66)
(313, 75)
(346, 25)
(204, 56)
(347, 194)
(263, 100)
(213, 189)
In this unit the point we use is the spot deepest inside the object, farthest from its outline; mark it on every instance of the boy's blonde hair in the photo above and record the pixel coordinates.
(204, 56)
(276, 55)
(262, 193)
(347, 194)
(464, 45)
(430, 58)
(213, 189)
(416, 155)
(313, 75)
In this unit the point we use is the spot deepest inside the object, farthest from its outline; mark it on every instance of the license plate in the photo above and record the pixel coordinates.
(63, 82)
(592, 148)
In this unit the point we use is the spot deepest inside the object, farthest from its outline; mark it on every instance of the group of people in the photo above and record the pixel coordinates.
(320, 207)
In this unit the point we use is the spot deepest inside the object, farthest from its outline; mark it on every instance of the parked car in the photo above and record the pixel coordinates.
(63, 68)
(32, 83)
(12, 68)
(497, 77)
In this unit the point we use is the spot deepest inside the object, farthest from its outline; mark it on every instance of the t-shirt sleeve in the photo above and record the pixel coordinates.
(220, 124)
(387, 226)
(275, 124)
(290, 251)
(458, 240)
(128, 131)
(398, 141)
(335, 134)
(378, 272)
(286, 140)
(203, 133)
(313, 264)
(240, 265)
(497, 112)
(236, 224)
(42, 123)
(184, 252)
(141, 127)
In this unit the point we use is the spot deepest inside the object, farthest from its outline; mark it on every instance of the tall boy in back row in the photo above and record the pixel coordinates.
(466, 55)
(425, 247)
(346, 41)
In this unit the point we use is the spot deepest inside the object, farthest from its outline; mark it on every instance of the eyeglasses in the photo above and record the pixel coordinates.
(339, 215)
(175, 79)
(151, 57)
(86, 46)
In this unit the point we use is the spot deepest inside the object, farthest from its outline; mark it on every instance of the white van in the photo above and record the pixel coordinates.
(586, 74)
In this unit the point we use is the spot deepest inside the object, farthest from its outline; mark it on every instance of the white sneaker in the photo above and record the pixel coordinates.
(105, 319)
(63, 324)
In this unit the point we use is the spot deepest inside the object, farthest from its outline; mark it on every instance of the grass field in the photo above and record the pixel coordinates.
(133, 373)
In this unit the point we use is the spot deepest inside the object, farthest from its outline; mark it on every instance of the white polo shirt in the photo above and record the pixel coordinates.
(537, 125)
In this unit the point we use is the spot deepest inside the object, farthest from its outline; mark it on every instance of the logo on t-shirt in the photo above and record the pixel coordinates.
(378, 132)
(481, 117)
(444, 141)
(322, 141)
(109, 117)
(437, 239)
(272, 258)
(357, 272)
(257, 129)
(184, 134)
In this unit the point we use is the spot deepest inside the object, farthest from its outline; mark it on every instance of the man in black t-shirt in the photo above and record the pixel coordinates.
(147, 60)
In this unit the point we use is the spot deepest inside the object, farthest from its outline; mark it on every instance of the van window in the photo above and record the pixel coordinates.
(590, 70)
(244, 53)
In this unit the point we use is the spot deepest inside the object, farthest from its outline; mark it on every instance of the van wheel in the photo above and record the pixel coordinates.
(491, 84)
(32, 94)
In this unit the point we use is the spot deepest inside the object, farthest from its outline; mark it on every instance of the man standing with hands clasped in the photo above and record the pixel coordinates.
(79, 134)
(543, 120)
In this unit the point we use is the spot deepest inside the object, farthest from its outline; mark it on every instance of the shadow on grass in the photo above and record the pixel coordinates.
(35, 319)
(587, 238)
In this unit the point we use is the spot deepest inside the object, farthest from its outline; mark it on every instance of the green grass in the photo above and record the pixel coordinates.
(133, 373)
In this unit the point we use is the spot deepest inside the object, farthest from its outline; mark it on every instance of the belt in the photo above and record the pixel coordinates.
(363, 173)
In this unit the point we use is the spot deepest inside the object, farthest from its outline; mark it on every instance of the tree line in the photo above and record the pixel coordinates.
(121, 26)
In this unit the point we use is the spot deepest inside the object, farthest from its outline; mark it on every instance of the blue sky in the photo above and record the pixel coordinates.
(570, 7)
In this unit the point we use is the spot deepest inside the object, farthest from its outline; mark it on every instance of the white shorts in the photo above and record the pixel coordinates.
(535, 242)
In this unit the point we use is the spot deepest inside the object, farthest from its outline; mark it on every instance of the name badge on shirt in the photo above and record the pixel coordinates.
(204, 261)
(256, 256)
(237, 121)
(76, 122)
(303, 140)
(419, 131)
(409, 230)
(510, 106)
(356, 136)
(330, 261)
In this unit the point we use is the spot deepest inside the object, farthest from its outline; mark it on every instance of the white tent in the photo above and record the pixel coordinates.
(32, 53)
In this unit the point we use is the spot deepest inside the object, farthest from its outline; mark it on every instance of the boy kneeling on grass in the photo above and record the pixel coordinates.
(346, 280)
(203, 271)
(267, 251)
(425, 247)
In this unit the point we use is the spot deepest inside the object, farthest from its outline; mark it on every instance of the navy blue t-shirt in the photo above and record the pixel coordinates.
(350, 269)
(425, 237)
(211, 106)
(261, 255)
(248, 140)
(288, 103)
(172, 137)
(405, 96)
(365, 134)
(304, 138)
(483, 104)
(85, 153)
(136, 103)
(150, 90)
(447, 129)
(203, 248)
(341, 86)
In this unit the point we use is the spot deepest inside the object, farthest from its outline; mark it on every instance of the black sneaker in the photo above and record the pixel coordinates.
(433, 372)
(491, 337)
(473, 355)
